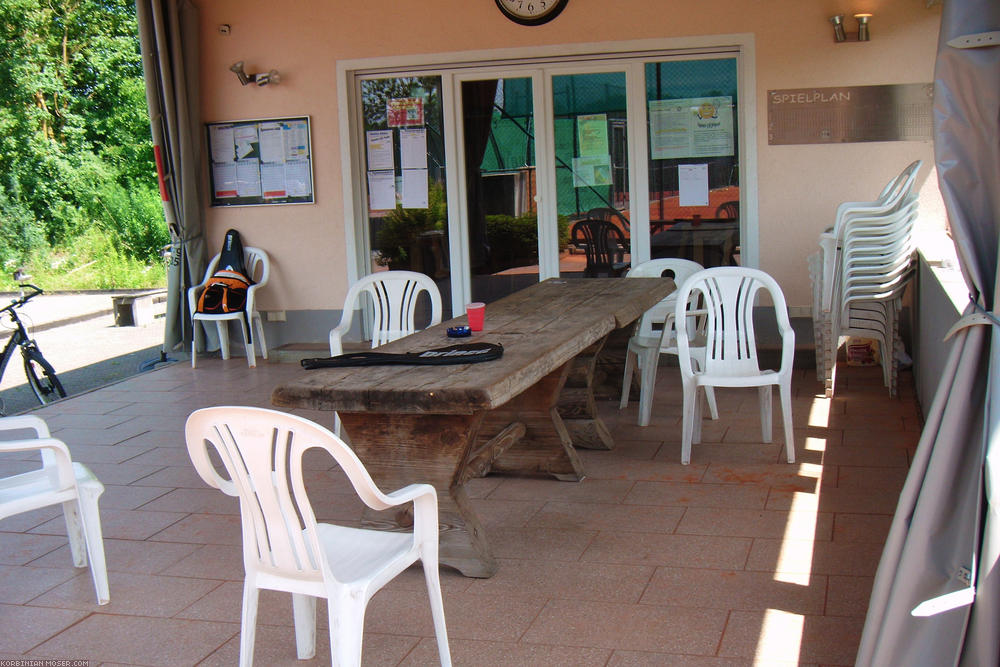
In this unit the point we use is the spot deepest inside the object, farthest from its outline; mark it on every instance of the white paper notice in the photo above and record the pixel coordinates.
(248, 178)
(297, 178)
(272, 144)
(381, 190)
(380, 155)
(415, 188)
(692, 180)
(272, 180)
(224, 178)
(245, 137)
(413, 149)
(221, 140)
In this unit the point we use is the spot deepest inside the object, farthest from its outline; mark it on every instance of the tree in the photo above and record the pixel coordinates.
(75, 148)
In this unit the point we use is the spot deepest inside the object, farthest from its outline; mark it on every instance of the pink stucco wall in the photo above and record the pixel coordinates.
(798, 186)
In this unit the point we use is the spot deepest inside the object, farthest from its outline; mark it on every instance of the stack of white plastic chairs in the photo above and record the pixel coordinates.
(859, 275)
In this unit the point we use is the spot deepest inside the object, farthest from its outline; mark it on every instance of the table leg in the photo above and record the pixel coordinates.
(400, 449)
(577, 406)
(546, 446)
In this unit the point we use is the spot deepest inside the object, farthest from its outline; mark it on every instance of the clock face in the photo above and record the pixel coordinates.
(531, 12)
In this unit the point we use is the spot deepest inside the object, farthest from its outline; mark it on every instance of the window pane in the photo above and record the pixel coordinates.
(405, 177)
(693, 162)
(591, 158)
(498, 119)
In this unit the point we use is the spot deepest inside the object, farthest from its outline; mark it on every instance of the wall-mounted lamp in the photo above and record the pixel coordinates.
(841, 35)
(261, 79)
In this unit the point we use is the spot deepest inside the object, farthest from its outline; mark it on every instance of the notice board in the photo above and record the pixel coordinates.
(259, 162)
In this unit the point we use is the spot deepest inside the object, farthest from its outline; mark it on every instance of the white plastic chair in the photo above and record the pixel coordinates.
(874, 266)
(258, 267)
(285, 549)
(889, 200)
(59, 481)
(654, 335)
(730, 356)
(394, 301)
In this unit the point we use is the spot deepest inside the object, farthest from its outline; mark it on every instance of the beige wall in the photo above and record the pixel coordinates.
(799, 186)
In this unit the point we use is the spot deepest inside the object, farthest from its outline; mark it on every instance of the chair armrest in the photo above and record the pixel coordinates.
(338, 332)
(25, 422)
(54, 453)
(425, 509)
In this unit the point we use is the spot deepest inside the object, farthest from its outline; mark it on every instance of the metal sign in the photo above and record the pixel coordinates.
(896, 112)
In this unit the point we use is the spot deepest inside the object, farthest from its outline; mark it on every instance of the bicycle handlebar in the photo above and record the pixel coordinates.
(24, 299)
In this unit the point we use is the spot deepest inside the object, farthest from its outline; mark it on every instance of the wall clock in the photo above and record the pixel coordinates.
(531, 12)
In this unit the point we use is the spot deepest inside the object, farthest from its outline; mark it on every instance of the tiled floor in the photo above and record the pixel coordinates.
(736, 559)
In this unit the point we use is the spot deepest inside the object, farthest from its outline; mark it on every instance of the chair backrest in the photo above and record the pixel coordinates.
(727, 297)
(394, 298)
(255, 260)
(678, 269)
(889, 200)
(609, 214)
(602, 241)
(261, 451)
(729, 210)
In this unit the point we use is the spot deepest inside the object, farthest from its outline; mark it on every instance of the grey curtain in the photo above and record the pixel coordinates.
(168, 35)
(937, 589)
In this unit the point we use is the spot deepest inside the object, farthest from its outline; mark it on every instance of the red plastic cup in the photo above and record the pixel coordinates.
(477, 315)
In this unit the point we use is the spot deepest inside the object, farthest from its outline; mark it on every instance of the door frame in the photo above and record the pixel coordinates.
(510, 62)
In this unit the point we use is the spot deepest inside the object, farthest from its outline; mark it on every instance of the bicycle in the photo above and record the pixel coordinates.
(41, 376)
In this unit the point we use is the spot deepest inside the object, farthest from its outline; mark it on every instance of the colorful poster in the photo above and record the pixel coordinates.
(692, 127)
(591, 171)
(592, 133)
(405, 112)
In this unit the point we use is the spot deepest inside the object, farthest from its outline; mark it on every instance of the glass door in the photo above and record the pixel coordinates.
(405, 176)
(694, 179)
(590, 124)
(501, 213)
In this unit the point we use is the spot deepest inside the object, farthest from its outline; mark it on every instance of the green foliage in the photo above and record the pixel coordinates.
(514, 241)
(90, 261)
(399, 231)
(75, 148)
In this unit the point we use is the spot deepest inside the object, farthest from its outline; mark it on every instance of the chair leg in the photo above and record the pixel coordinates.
(433, 579)
(223, 328)
(647, 383)
(698, 416)
(248, 623)
(347, 620)
(631, 358)
(765, 412)
(785, 395)
(304, 615)
(259, 322)
(687, 424)
(195, 340)
(713, 407)
(74, 531)
(248, 344)
(91, 518)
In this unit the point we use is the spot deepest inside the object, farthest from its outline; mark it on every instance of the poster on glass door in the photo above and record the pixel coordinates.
(692, 127)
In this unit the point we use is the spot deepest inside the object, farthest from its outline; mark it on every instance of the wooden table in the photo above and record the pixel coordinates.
(710, 243)
(444, 425)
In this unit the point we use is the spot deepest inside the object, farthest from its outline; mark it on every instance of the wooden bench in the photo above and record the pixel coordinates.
(137, 309)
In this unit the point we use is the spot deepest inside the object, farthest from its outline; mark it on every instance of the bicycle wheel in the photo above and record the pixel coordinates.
(41, 376)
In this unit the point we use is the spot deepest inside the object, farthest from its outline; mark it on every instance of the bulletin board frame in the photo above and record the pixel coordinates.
(260, 161)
